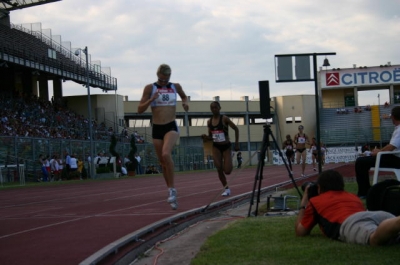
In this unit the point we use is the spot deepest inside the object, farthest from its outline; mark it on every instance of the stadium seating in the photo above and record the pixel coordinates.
(34, 47)
(338, 129)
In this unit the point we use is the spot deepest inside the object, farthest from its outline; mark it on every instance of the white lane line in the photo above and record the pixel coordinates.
(42, 227)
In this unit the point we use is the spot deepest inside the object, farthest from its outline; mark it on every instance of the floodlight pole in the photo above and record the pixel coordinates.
(317, 112)
(92, 165)
(92, 168)
(319, 158)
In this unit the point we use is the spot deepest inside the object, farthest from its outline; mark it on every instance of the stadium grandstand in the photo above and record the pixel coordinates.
(30, 57)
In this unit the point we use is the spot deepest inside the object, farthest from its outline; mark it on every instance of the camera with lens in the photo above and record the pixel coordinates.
(312, 190)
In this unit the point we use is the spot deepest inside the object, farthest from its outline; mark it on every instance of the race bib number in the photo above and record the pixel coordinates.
(167, 97)
(301, 140)
(218, 136)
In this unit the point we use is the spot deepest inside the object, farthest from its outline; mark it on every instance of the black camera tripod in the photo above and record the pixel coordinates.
(260, 168)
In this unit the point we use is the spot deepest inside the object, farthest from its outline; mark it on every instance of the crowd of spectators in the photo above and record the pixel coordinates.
(31, 116)
(124, 137)
(342, 111)
(357, 109)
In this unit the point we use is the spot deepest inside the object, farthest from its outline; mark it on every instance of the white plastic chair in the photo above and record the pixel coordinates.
(378, 169)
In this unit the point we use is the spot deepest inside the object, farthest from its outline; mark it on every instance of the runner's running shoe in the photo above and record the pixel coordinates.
(227, 192)
(172, 199)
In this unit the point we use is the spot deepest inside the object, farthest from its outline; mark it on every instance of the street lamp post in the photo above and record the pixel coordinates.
(92, 165)
(319, 159)
(116, 122)
(303, 74)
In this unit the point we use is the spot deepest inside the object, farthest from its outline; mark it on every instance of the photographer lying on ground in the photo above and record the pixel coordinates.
(342, 216)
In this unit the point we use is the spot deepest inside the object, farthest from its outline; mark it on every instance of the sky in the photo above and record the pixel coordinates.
(221, 48)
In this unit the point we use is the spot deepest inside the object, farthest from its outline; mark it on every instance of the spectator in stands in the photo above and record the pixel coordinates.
(342, 216)
(55, 168)
(139, 166)
(148, 170)
(124, 134)
(97, 159)
(364, 163)
(89, 164)
(124, 171)
(342, 111)
(67, 161)
(80, 166)
(103, 159)
(45, 174)
(357, 109)
(126, 161)
(154, 170)
(140, 139)
(60, 165)
(48, 168)
(73, 163)
(161, 96)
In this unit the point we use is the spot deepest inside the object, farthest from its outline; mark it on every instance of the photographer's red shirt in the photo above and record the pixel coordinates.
(329, 210)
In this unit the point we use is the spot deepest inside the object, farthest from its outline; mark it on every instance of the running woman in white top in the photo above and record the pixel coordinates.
(300, 140)
(161, 96)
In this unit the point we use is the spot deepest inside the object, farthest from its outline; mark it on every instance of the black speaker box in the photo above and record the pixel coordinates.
(265, 107)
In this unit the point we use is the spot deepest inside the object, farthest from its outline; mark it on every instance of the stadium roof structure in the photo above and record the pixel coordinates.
(22, 47)
(10, 5)
(28, 46)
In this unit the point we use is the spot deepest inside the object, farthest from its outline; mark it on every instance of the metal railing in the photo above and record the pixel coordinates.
(25, 150)
(344, 137)
(68, 65)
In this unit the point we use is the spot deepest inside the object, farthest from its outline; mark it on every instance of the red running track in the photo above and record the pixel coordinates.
(64, 224)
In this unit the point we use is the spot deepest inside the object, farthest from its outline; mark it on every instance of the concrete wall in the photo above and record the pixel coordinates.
(302, 106)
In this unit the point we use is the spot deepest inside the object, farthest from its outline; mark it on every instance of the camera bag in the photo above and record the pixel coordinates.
(385, 196)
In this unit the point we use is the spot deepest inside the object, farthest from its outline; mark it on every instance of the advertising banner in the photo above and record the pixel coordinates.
(332, 155)
(358, 77)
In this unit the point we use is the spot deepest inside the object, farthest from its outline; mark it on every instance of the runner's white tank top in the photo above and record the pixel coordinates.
(167, 95)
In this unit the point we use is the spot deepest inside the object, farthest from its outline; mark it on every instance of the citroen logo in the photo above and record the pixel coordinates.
(332, 79)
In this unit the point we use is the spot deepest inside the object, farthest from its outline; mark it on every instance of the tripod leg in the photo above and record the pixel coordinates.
(257, 179)
(259, 176)
(259, 186)
(290, 163)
